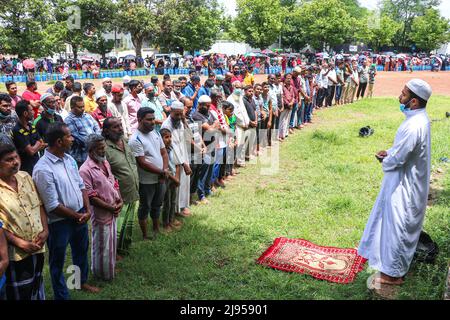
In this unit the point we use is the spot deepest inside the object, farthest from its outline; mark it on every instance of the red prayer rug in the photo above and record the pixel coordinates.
(326, 263)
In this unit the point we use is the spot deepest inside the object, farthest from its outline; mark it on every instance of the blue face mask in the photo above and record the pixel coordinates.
(238, 92)
(404, 107)
(51, 111)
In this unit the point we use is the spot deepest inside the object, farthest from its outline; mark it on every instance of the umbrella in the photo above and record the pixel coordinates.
(255, 54)
(189, 56)
(129, 57)
(437, 58)
(29, 64)
(267, 51)
(86, 58)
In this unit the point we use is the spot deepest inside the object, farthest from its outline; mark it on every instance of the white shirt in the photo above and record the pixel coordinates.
(392, 232)
(242, 119)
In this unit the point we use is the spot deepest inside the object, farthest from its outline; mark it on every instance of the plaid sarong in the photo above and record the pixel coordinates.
(125, 223)
(24, 279)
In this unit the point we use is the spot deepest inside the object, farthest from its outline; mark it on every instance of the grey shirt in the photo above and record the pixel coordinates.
(149, 146)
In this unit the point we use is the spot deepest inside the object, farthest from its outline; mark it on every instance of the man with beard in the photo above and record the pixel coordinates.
(122, 109)
(227, 84)
(167, 96)
(67, 206)
(106, 88)
(180, 140)
(123, 166)
(102, 112)
(106, 204)
(25, 224)
(8, 119)
(208, 129)
(11, 87)
(153, 169)
(133, 103)
(48, 116)
(237, 75)
(26, 138)
(33, 97)
(177, 89)
(395, 223)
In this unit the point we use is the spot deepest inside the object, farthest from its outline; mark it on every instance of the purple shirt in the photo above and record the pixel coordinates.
(100, 185)
(133, 105)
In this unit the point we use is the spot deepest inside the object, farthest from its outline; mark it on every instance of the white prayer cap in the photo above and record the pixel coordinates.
(420, 88)
(177, 105)
(99, 94)
(106, 79)
(298, 69)
(204, 99)
(126, 79)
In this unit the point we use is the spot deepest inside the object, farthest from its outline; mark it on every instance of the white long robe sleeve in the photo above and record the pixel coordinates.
(393, 229)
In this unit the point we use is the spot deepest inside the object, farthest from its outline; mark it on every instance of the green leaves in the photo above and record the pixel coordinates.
(259, 21)
(430, 31)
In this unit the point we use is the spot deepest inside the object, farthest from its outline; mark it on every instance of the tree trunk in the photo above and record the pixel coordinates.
(137, 42)
(75, 52)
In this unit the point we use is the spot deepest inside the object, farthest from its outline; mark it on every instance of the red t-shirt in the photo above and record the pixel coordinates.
(28, 96)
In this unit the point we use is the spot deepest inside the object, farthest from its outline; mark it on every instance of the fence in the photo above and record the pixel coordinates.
(41, 76)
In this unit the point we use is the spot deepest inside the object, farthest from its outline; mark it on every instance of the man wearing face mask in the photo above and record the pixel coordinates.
(392, 232)
(181, 155)
(242, 121)
(8, 119)
(237, 75)
(48, 116)
(26, 138)
(151, 101)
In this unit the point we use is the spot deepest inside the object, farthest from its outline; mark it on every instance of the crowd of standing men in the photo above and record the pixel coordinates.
(76, 154)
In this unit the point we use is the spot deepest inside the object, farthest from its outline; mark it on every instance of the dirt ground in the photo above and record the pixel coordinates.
(388, 84)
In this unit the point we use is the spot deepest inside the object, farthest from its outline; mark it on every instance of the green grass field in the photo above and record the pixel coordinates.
(327, 182)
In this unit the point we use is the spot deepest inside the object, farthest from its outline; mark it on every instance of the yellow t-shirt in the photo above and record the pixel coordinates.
(249, 80)
(89, 104)
(20, 212)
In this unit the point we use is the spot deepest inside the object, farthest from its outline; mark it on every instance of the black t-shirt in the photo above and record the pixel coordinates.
(42, 123)
(201, 118)
(250, 106)
(227, 88)
(22, 138)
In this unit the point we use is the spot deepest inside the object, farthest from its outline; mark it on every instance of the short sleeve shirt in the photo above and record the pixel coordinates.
(23, 137)
(148, 145)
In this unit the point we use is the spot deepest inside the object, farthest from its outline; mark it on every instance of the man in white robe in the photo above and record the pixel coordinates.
(181, 153)
(392, 232)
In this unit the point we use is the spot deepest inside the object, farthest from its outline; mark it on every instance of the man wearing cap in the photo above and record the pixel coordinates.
(191, 91)
(122, 110)
(107, 87)
(218, 85)
(48, 116)
(153, 102)
(392, 232)
(180, 142)
(126, 80)
(102, 112)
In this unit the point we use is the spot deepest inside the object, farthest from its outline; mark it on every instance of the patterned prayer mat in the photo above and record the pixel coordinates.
(325, 263)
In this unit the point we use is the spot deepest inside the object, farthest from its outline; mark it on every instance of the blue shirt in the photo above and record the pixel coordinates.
(58, 182)
(81, 128)
(3, 278)
(189, 92)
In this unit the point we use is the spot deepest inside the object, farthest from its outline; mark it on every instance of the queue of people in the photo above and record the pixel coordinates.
(76, 155)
